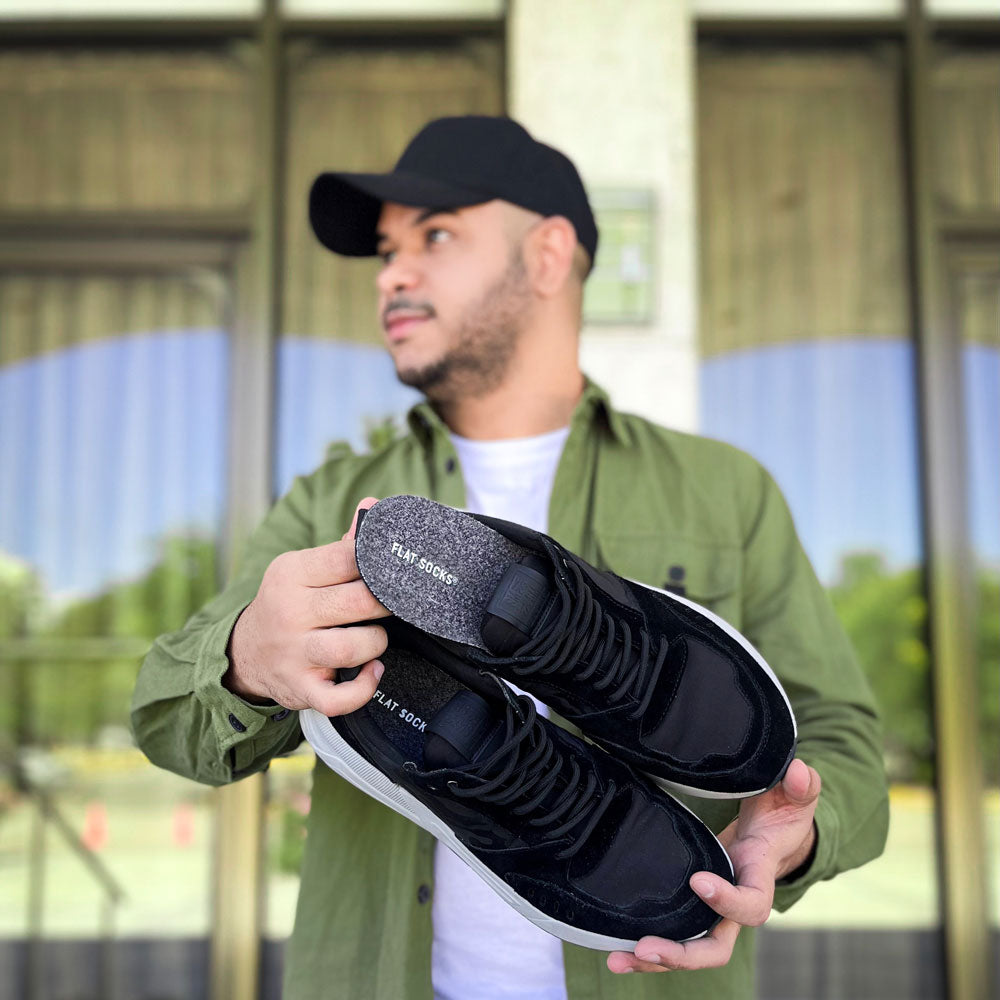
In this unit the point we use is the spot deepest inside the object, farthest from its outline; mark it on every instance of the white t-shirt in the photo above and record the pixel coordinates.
(483, 949)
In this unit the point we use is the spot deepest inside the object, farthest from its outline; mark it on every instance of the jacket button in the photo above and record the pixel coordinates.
(423, 894)
(449, 466)
(236, 724)
(278, 716)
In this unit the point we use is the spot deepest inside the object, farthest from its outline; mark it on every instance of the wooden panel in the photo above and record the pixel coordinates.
(966, 94)
(356, 111)
(979, 297)
(42, 313)
(113, 130)
(801, 226)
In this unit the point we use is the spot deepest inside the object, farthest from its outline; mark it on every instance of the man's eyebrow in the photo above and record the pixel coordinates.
(426, 214)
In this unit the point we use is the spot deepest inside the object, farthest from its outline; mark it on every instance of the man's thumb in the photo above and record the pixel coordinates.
(801, 783)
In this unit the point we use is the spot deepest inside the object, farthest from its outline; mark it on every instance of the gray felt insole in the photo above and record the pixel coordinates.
(431, 565)
(410, 692)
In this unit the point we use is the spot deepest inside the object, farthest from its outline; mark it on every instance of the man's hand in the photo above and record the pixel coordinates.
(772, 836)
(286, 645)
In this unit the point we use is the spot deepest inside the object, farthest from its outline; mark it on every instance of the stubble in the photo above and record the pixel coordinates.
(486, 338)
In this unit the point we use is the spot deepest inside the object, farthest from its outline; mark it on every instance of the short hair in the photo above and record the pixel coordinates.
(582, 265)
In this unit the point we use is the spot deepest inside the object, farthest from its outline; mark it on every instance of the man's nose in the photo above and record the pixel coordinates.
(398, 275)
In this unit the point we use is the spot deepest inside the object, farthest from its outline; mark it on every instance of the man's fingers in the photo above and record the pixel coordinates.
(748, 903)
(363, 505)
(328, 564)
(653, 954)
(342, 604)
(345, 647)
(344, 697)
(709, 952)
(324, 565)
(623, 961)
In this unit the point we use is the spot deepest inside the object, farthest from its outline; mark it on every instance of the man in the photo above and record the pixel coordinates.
(486, 238)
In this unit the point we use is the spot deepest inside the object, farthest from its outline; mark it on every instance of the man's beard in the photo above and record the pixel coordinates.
(487, 336)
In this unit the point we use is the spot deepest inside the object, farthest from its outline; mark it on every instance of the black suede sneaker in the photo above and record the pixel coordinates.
(570, 837)
(653, 678)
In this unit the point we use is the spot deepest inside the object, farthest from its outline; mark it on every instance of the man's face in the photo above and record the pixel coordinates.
(452, 294)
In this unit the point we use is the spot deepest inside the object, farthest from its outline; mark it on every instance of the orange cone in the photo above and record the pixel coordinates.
(183, 825)
(95, 826)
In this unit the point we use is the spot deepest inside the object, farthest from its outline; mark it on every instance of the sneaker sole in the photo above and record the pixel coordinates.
(337, 754)
(437, 568)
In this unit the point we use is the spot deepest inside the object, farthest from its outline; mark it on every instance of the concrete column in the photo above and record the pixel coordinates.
(611, 83)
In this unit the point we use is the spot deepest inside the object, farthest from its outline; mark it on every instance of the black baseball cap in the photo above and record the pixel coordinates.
(452, 163)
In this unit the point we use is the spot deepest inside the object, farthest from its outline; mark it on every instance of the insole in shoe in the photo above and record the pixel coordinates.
(431, 565)
(410, 693)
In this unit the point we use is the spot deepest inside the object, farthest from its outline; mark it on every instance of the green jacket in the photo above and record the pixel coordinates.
(649, 503)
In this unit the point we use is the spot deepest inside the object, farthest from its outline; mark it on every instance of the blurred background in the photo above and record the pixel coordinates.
(799, 203)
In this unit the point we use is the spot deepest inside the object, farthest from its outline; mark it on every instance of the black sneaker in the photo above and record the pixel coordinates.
(653, 678)
(570, 837)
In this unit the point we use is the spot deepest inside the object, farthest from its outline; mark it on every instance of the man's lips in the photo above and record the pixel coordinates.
(400, 322)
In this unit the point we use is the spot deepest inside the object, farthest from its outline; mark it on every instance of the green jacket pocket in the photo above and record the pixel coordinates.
(706, 573)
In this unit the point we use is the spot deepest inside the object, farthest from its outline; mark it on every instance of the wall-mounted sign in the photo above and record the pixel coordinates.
(620, 288)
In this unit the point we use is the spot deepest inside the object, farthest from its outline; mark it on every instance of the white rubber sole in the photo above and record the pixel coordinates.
(675, 786)
(341, 757)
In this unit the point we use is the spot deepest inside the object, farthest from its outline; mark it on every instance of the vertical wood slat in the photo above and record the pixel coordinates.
(965, 102)
(981, 314)
(802, 231)
(238, 886)
(116, 130)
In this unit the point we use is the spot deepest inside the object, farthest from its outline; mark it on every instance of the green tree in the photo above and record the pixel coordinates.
(160, 601)
(885, 614)
(72, 699)
(20, 597)
(21, 604)
(988, 656)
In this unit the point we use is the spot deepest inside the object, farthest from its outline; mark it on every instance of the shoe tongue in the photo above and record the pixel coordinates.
(464, 731)
(521, 606)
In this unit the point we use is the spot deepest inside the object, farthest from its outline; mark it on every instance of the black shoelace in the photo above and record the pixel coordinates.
(524, 772)
(587, 642)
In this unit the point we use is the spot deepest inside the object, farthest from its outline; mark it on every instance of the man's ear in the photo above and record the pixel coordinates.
(548, 255)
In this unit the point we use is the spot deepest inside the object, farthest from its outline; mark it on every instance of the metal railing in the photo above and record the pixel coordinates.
(48, 815)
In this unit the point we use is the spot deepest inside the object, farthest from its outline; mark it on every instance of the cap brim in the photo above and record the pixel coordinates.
(344, 208)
